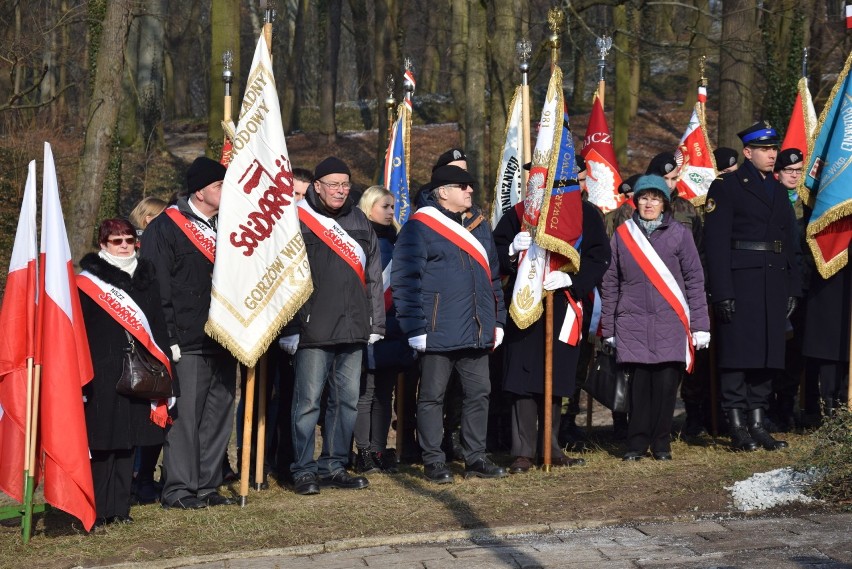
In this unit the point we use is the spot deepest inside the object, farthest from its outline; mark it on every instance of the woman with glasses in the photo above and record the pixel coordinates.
(120, 300)
(654, 313)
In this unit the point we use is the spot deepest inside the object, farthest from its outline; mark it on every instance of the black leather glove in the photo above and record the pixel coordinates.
(725, 310)
(792, 302)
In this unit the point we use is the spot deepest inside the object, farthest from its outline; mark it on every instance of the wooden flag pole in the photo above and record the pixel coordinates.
(555, 17)
(29, 482)
(245, 459)
(261, 423)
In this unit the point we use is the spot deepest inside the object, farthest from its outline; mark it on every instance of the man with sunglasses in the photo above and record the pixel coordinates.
(345, 312)
(182, 245)
(751, 249)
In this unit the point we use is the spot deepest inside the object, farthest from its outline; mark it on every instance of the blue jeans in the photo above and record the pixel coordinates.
(312, 366)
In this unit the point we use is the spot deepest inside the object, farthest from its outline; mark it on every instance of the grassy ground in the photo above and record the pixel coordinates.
(691, 486)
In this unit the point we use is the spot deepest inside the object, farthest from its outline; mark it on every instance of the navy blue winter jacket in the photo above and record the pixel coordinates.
(440, 291)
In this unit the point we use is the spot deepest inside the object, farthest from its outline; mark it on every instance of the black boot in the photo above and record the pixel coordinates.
(364, 462)
(569, 433)
(759, 433)
(740, 439)
(693, 425)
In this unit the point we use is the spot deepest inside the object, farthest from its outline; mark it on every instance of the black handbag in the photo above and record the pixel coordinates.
(143, 375)
(609, 382)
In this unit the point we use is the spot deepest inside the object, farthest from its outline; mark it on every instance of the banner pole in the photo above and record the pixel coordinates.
(26, 520)
(524, 50)
(245, 459)
(29, 483)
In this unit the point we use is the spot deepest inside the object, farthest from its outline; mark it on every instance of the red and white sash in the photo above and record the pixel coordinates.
(386, 285)
(454, 232)
(337, 239)
(199, 234)
(658, 273)
(572, 327)
(124, 310)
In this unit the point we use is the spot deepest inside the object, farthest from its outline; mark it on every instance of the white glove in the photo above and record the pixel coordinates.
(418, 342)
(610, 342)
(521, 242)
(700, 340)
(374, 338)
(557, 279)
(175, 353)
(498, 337)
(289, 343)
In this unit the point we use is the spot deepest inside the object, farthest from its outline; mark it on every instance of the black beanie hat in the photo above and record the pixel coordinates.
(662, 164)
(331, 165)
(203, 172)
(451, 155)
(725, 157)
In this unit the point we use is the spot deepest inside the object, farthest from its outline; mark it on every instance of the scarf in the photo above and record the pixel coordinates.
(648, 226)
(126, 264)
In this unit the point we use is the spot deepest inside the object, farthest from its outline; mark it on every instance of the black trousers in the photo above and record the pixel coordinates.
(112, 473)
(653, 393)
(527, 415)
(375, 408)
(746, 390)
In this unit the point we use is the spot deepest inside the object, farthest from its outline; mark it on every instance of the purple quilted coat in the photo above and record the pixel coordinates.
(646, 328)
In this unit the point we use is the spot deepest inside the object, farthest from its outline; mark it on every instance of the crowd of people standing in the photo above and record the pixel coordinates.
(428, 303)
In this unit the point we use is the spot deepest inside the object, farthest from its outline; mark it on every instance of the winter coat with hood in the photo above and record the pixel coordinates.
(116, 421)
(440, 291)
(646, 328)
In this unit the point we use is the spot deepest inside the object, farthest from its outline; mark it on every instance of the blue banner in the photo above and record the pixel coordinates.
(396, 176)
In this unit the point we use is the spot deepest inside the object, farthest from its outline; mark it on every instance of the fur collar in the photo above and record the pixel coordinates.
(142, 278)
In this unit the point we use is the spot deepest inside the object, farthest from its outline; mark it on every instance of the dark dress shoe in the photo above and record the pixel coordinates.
(438, 473)
(100, 523)
(562, 460)
(520, 465)
(216, 499)
(484, 468)
(662, 456)
(632, 456)
(185, 503)
(121, 520)
(342, 479)
(306, 484)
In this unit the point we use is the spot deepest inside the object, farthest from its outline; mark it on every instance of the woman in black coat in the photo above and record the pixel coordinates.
(116, 424)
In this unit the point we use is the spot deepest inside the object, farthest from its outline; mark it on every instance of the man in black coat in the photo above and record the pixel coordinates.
(181, 243)
(524, 349)
(754, 282)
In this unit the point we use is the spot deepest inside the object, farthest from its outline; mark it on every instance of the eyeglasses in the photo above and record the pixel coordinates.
(336, 185)
(792, 171)
(651, 200)
(462, 187)
(119, 240)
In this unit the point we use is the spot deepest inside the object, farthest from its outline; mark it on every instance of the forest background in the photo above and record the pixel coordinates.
(113, 84)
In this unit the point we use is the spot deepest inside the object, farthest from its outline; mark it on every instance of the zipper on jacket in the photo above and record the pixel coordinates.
(435, 312)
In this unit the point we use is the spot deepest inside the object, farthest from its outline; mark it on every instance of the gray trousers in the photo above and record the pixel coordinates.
(527, 415)
(197, 440)
(472, 366)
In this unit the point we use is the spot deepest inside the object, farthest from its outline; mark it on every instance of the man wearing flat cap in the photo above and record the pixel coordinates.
(345, 312)
(182, 245)
(751, 251)
(446, 289)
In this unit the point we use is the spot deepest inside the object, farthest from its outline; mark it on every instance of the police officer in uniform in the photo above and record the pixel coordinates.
(754, 283)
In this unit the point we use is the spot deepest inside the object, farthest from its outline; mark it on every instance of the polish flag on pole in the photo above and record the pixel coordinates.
(17, 345)
(849, 16)
(66, 365)
(800, 130)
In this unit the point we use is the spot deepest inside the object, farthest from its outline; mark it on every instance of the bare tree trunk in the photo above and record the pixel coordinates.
(328, 83)
(225, 31)
(503, 80)
(635, 18)
(385, 64)
(436, 34)
(362, 50)
(65, 39)
(698, 47)
(736, 63)
(475, 118)
(85, 195)
(622, 83)
(150, 64)
(48, 87)
(580, 101)
(291, 86)
(458, 56)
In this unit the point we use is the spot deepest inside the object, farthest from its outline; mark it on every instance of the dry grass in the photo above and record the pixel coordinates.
(606, 489)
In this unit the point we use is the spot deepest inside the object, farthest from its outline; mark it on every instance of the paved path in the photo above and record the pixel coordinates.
(816, 541)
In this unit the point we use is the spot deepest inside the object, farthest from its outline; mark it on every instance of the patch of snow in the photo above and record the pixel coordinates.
(774, 488)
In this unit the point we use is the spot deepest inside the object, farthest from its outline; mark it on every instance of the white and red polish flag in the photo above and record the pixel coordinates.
(62, 348)
(261, 275)
(17, 343)
(848, 16)
(803, 119)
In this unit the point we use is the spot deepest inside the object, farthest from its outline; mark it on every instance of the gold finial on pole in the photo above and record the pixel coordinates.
(555, 20)
(524, 51)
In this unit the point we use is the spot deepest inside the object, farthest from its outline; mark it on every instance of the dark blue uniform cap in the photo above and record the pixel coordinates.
(759, 134)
